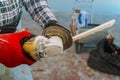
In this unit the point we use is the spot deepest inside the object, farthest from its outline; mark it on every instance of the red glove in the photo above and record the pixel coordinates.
(11, 53)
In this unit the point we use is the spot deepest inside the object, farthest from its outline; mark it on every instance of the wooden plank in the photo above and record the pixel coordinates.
(94, 30)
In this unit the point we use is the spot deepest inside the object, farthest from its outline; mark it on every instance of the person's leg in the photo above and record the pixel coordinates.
(21, 72)
(5, 73)
(2, 69)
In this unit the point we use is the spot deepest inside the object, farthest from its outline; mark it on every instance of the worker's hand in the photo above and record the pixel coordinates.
(35, 47)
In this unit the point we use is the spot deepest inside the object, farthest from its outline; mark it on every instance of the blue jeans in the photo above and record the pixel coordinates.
(21, 72)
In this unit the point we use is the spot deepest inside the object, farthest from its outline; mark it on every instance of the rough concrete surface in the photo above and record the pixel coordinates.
(68, 66)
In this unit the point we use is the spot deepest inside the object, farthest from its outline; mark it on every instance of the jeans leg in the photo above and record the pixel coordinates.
(22, 72)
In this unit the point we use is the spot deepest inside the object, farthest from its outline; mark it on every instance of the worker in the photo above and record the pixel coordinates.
(14, 45)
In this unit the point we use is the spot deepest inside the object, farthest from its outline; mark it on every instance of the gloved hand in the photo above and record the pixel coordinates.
(35, 47)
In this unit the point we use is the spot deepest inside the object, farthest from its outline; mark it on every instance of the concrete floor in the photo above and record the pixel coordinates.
(68, 66)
